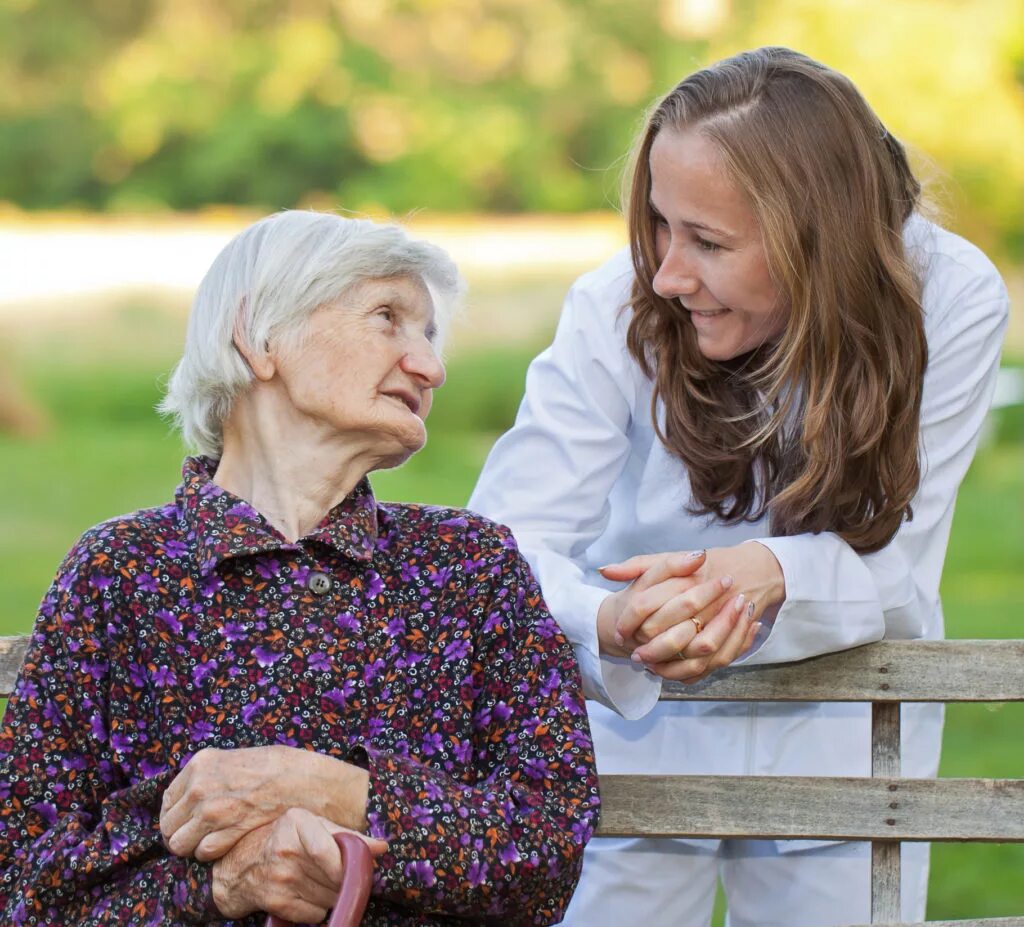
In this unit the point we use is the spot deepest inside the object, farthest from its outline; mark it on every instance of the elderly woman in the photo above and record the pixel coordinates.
(216, 685)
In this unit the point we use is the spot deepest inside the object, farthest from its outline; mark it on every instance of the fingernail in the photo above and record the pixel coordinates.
(619, 639)
(635, 657)
(694, 554)
(601, 569)
(739, 601)
(726, 582)
(750, 610)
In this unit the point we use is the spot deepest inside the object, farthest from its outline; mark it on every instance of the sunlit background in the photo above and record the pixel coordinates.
(136, 136)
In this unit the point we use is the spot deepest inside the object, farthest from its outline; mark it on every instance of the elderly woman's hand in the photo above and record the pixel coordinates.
(222, 795)
(725, 590)
(290, 868)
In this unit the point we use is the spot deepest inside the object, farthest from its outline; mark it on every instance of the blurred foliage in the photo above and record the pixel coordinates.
(458, 104)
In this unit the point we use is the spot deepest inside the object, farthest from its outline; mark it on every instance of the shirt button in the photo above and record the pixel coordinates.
(318, 583)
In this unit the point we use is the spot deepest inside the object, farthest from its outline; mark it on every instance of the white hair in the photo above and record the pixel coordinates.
(268, 281)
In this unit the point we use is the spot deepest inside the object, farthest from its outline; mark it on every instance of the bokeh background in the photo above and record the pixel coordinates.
(137, 135)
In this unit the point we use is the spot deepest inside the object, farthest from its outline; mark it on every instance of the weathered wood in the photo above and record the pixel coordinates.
(885, 740)
(889, 671)
(12, 652)
(885, 854)
(885, 880)
(983, 922)
(795, 807)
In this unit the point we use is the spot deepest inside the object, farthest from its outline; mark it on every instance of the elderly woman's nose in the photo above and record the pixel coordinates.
(676, 276)
(422, 362)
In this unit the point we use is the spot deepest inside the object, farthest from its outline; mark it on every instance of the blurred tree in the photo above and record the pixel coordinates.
(454, 104)
(944, 75)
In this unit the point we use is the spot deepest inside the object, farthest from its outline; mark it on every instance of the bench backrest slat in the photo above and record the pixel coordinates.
(12, 652)
(814, 808)
(884, 809)
(982, 922)
(889, 671)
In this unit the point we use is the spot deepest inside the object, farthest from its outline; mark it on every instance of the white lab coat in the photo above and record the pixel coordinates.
(582, 480)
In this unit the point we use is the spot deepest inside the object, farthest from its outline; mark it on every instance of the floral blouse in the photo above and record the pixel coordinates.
(410, 639)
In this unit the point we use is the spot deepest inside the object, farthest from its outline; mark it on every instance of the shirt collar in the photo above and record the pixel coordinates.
(221, 525)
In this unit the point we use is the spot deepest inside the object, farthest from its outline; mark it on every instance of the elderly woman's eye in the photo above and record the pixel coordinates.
(386, 313)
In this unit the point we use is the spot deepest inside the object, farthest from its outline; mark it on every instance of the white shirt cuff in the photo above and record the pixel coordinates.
(617, 683)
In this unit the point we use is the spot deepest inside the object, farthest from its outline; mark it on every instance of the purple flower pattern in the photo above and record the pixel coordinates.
(431, 660)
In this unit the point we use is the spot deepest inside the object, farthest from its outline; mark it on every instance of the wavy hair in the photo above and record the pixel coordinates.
(820, 429)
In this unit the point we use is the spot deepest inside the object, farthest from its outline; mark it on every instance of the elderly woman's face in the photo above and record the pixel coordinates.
(368, 366)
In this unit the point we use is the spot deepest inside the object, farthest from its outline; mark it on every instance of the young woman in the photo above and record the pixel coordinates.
(748, 436)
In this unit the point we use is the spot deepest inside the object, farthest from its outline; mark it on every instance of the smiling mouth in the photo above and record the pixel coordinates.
(707, 313)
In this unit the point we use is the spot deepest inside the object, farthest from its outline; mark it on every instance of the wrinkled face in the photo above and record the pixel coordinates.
(710, 251)
(368, 366)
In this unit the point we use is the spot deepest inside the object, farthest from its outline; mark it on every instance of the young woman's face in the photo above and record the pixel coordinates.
(711, 256)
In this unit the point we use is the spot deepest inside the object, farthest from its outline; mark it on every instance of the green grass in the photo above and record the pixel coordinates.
(108, 453)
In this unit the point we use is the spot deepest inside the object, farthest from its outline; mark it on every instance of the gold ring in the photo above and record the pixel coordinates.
(698, 627)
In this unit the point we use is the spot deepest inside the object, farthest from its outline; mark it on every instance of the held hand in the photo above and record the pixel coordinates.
(683, 654)
(290, 868)
(665, 590)
(671, 644)
(222, 795)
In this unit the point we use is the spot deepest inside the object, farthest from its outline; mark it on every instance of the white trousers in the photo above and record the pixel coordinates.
(672, 883)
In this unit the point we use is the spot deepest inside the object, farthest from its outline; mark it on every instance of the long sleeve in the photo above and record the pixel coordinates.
(550, 477)
(837, 599)
(80, 844)
(582, 480)
(506, 848)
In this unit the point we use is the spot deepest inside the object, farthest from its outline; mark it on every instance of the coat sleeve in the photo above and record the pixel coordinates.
(80, 843)
(506, 848)
(550, 477)
(836, 598)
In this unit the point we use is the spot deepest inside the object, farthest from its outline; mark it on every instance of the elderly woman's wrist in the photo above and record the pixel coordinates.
(344, 788)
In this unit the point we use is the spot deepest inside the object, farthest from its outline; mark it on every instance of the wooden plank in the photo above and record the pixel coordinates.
(888, 671)
(885, 880)
(885, 854)
(12, 653)
(794, 807)
(984, 922)
(885, 740)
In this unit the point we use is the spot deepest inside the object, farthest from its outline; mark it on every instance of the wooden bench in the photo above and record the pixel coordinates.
(885, 808)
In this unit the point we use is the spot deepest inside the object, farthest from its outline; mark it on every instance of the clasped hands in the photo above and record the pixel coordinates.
(726, 589)
(265, 817)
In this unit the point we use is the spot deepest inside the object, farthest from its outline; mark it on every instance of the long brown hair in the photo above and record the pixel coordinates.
(819, 429)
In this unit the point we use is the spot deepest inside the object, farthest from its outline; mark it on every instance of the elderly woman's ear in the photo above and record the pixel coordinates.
(259, 360)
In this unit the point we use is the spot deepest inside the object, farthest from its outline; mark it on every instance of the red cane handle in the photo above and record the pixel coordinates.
(356, 882)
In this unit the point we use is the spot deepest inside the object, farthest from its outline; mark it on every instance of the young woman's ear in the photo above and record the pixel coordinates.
(259, 360)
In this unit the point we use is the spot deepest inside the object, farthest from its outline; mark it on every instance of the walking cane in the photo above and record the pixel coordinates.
(356, 882)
